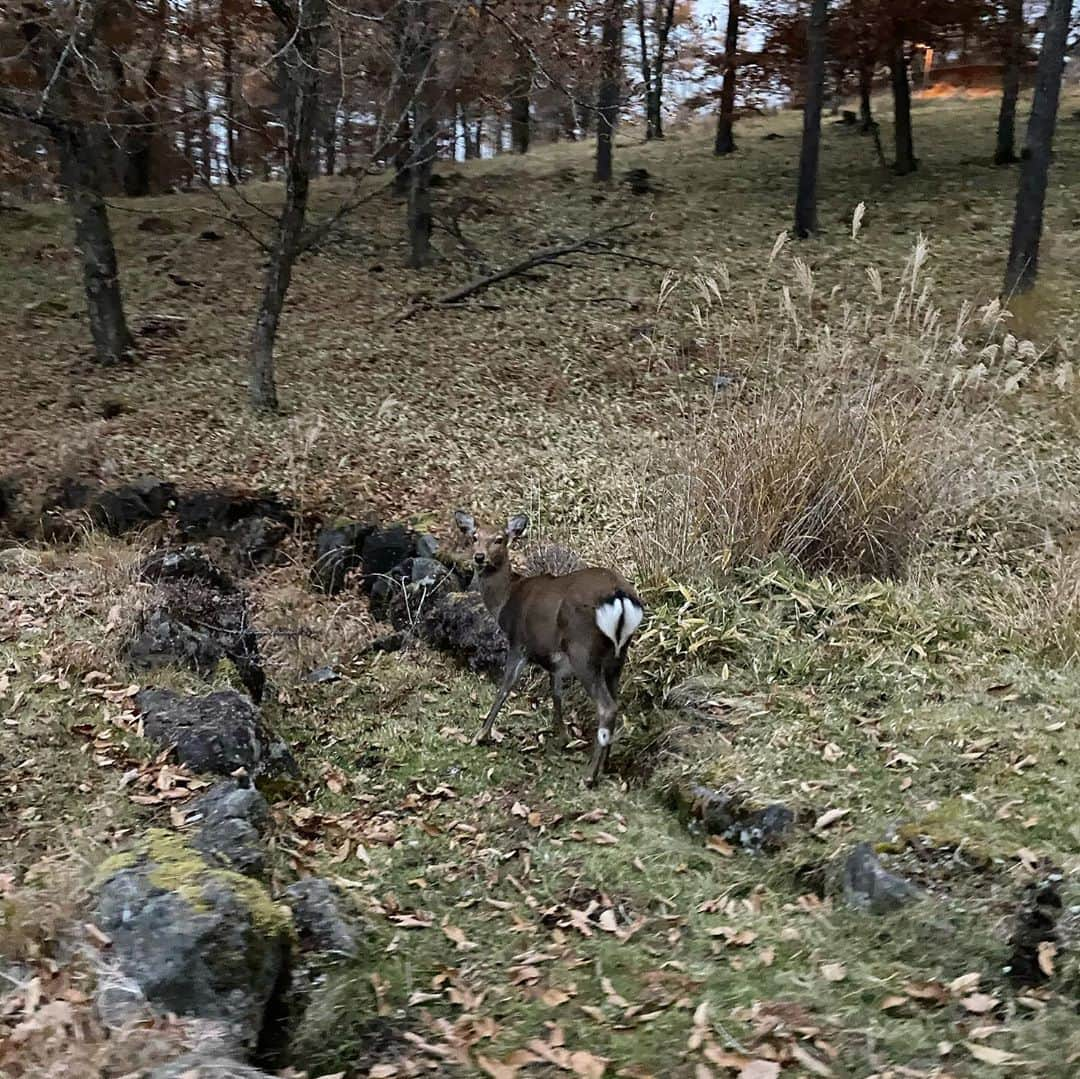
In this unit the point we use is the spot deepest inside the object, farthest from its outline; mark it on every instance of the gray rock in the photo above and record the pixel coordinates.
(232, 821)
(121, 509)
(385, 548)
(189, 622)
(322, 675)
(206, 1066)
(402, 594)
(731, 814)
(869, 886)
(195, 940)
(323, 967)
(220, 732)
(338, 551)
(183, 564)
(322, 923)
(249, 527)
(459, 624)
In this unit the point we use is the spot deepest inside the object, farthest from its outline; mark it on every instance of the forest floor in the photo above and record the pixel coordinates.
(521, 924)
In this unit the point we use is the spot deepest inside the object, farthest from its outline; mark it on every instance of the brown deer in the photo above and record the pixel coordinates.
(580, 624)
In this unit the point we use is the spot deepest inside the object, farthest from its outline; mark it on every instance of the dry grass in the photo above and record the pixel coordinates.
(845, 438)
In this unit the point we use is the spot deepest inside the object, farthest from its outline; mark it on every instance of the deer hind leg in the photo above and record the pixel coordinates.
(605, 729)
(515, 664)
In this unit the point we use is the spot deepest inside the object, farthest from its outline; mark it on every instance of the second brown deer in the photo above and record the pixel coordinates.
(577, 625)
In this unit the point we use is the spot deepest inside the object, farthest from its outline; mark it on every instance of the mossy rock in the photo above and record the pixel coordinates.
(195, 939)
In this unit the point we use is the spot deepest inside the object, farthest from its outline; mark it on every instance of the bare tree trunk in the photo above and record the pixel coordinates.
(330, 144)
(646, 70)
(610, 77)
(305, 27)
(725, 125)
(93, 238)
(228, 91)
(1005, 150)
(806, 194)
(419, 51)
(905, 162)
(866, 85)
(520, 118)
(1023, 265)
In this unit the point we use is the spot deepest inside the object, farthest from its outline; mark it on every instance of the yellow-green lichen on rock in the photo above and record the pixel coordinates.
(176, 867)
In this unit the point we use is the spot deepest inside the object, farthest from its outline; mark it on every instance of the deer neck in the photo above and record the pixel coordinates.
(495, 587)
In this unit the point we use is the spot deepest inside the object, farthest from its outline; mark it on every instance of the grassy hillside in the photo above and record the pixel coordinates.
(900, 668)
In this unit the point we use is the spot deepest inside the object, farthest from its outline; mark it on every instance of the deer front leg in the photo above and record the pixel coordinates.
(558, 725)
(515, 664)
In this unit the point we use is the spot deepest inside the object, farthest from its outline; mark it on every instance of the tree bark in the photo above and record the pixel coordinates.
(905, 162)
(866, 85)
(422, 147)
(302, 58)
(330, 144)
(228, 92)
(652, 70)
(725, 125)
(1023, 265)
(610, 77)
(646, 68)
(806, 194)
(520, 117)
(1005, 150)
(93, 238)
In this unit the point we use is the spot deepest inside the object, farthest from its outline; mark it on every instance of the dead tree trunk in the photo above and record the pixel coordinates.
(806, 194)
(725, 125)
(303, 27)
(1023, 265)
(905, 161)
(607, 111)
(1005, 150)
(652, 68)
(418, 53)
(866, 85)
(80, 152)
(520, 106)
(228, 93)
(79, 178)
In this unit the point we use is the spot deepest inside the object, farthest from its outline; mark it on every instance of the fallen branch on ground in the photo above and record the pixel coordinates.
(594, 244)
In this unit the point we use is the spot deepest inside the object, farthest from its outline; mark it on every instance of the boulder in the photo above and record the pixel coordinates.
(183, 564)
(323, 924)
(249, 527)
(219, 733)
(322, 975)
(459, 624)
(206, 1066)
(385, 548)
(232, 820)
(401, 595)
(338, 551)
(196, 940)
(132, 505)
(869, 886)
(193, 623)
(734, 817)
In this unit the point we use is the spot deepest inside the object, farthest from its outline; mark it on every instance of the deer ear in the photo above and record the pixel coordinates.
(464, 520)
(517, 525)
